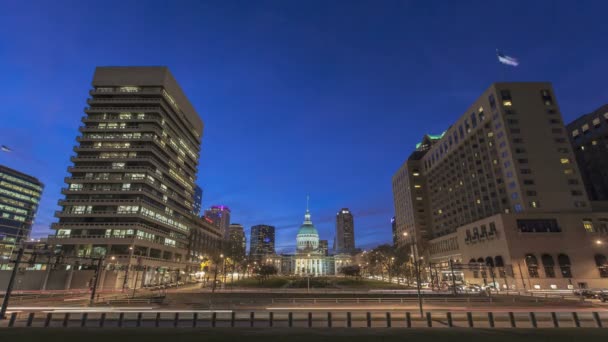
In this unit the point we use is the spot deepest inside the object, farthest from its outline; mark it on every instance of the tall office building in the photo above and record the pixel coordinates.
(220, 216)
(345, 232)
(261, 242)
(238, 241)
(500, 187)
(197, 200)
(19, 198)
(589, 137)
(131, 186)
(324, 247)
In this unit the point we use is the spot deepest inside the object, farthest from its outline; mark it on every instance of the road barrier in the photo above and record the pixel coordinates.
(310, 319)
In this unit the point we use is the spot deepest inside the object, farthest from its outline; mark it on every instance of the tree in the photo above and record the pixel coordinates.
(265, 271)
(351, 271)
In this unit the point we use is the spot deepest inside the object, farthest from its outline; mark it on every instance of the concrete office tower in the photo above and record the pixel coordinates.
(500, 187)
(197, 200)
(261, 242)
(131, 186)
(19, 198)
(345, 232)
(589, 137)
(220, 216)
(238, 241)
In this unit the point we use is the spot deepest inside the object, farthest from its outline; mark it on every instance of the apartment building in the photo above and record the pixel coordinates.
(500, 192)
(589, 138)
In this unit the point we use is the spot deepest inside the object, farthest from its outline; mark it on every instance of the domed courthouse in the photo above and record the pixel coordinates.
(312, 257)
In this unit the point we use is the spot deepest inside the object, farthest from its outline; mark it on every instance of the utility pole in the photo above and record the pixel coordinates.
(11, 282)
(453, 276)
(96, 281)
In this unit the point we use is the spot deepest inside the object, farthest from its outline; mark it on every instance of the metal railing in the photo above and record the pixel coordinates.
(311, 319)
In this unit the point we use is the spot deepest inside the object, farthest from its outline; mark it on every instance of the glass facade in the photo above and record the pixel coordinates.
(19, 198)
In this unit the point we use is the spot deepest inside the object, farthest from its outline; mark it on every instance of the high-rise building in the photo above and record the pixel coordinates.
(131, 186)
(589, 137)
(345, 232)
(220, 216)
(19, 198)
(197, 200)
(238, 241)
(324, 247)
(261, 242)
(500, 188)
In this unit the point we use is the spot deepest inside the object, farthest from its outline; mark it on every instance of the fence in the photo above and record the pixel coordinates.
(310, 319)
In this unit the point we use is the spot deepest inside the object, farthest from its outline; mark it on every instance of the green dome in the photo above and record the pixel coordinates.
(307, 228)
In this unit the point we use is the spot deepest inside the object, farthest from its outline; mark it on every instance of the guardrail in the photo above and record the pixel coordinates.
(310, 319)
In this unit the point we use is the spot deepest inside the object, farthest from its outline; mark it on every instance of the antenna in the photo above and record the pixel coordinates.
(307, 199)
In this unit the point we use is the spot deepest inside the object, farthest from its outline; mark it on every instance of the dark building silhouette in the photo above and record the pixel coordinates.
(589, 137)
(261, 242)
(345, 232)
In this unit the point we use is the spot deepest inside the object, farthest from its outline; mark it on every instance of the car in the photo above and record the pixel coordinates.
(586, 293)
(603, 296)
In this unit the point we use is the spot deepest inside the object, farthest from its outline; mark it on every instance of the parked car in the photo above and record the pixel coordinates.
(603, 296)
(587, 293)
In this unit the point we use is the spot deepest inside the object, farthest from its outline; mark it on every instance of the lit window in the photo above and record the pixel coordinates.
(417, 186)
(585, 128)
(596, 122)
(588, 225)
(416, 174)
(129, 89)
(564, 160)
(534, 204)
(507, 103)
(593, 142)
(568, 171)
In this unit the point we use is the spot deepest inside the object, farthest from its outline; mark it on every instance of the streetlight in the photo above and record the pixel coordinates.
(223, 269)
(414, 250)
(599, 242)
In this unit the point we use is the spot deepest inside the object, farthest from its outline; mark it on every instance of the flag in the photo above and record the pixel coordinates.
(5, 148)
(504, 59)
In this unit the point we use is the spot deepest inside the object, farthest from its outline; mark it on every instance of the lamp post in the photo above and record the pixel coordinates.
(414, 250)
(223, 270)
(11, 281)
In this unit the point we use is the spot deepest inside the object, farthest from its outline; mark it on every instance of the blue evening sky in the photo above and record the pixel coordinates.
(325, 98)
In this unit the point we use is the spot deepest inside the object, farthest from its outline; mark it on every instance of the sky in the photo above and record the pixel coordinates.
(319, 98)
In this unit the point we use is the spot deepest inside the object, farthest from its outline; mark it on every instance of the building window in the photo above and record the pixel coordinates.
(602, 265)
(564, 265)
(493, 102)
(548, 265)
(538, 226)
(546, 96)
(588, 225)
(532, 264)
(505, 96)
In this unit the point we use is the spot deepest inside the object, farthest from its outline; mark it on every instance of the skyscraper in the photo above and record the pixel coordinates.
(197, 200)
(261, 242)
(345, 231)
(238, 241)
(589, 137)
(19, 198)
(131, 188)
(500, 188)
(324, 247)
(220, 216)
